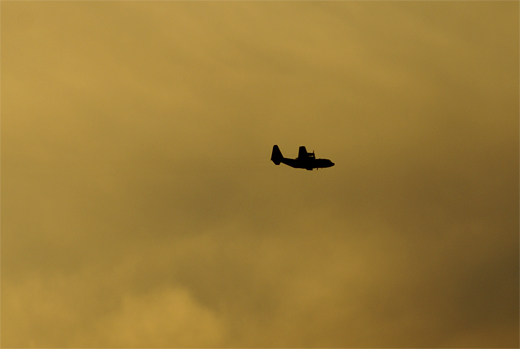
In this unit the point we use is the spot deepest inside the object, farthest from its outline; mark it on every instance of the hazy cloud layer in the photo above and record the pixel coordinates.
(140, 208)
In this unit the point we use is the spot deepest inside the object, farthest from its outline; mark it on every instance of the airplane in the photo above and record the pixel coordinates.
(304, 159)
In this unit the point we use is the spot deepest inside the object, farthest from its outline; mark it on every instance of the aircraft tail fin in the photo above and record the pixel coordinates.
(276, 156)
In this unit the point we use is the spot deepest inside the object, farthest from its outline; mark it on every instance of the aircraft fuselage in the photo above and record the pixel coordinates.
(308, 164)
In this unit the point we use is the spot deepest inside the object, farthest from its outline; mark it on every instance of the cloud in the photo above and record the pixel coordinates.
(140, 207)
(163, 319)
(90, 309)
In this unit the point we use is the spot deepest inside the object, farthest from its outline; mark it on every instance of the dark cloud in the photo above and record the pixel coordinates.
(140, 207)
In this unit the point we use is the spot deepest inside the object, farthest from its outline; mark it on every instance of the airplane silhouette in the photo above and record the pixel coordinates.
(304, 159)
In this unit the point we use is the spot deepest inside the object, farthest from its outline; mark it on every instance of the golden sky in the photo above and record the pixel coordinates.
(140, 207)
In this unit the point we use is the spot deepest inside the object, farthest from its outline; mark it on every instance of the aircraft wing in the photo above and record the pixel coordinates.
(302, 153)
